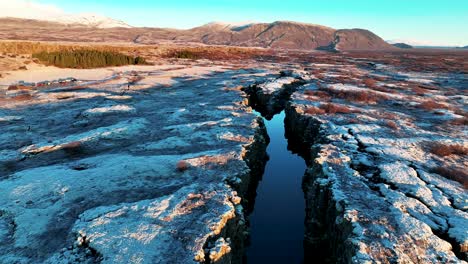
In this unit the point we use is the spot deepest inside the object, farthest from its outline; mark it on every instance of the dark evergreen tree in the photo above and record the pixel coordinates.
(86, 59)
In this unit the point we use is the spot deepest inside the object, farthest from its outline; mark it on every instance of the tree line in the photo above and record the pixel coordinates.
(85, 59)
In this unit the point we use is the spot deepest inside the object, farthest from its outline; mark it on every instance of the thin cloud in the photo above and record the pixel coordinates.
(29, 9)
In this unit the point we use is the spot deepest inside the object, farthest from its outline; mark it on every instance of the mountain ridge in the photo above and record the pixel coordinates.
(276, 35)
(86, 19)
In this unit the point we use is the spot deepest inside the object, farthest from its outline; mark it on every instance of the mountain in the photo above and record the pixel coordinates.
(87, 20)
(90, 20)
(410, 42)
(281, 34)
(402, 46)
(33, 10)
(421, 44)
(278, 35)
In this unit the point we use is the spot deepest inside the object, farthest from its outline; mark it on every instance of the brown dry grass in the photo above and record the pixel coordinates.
(392, 125)
(453, 173)
(146, 51)
(383, 89)
(419, 90)
(320, 94)
(312, 110)
(22, 97)
(431, 105)
(356, 96)
(182, 166)
(331, 108)
(458, 122)
(442, 150)
(371, 83)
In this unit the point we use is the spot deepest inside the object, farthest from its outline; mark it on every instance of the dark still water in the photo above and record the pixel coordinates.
(277, 221)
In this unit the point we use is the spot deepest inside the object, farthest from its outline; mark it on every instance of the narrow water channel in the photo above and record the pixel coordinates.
(277, 221)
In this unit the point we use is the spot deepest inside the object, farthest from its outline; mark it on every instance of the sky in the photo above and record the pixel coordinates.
(425, 21)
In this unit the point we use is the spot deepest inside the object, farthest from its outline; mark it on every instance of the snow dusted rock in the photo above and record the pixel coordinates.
(354, 218)
(109, 110)
(98, 178)
(120, 131)
(161, 230)
(269, 96)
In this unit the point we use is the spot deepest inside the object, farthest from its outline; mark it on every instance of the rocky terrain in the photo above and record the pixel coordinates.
(379, 150)
(278, 35)
(159, 164)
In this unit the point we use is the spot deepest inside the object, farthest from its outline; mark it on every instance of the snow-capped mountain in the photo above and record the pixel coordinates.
(38, 11)
(91, 20)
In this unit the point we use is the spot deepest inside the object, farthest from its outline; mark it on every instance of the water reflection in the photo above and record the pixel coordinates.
(277, 222)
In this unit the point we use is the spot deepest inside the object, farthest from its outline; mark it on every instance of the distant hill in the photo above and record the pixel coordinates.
(280, 34)
(86, 20)
(402, 46)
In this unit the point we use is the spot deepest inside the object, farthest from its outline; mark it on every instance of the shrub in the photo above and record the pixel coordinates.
(86, 59)
(419, 91)
(431, 105)
(391, 125)
(383, 89)
(22, 97)
(443, 150)
(319, 94)
(344, 79)
(73, 148)
(453, 173)
(380, 78)
(185, 54)
(357, 95)
(331, 108)
(369, 82)
(459, 121)
(182, 166)
(134, 80)
(312, 110)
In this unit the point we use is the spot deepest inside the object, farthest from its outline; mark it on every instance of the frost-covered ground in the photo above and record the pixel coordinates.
(146, 173)
(153, 164)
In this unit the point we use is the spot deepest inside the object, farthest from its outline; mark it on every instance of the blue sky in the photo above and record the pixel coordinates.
(436, 22)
